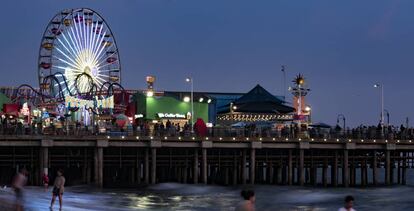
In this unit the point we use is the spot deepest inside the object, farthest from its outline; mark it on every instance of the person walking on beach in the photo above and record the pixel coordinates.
(248, 203)
(19, 181)
(58, 189)
(45, 180)
(349, 203)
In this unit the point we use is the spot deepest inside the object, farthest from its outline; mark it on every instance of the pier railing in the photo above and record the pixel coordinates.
(218, 133)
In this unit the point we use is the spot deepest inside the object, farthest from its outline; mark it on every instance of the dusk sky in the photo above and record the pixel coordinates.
(342, 47)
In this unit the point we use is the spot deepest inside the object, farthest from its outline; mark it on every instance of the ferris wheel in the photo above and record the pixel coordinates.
(78, 56)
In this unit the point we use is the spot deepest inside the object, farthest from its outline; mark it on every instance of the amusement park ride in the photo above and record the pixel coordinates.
(78, 66)
(299, 92)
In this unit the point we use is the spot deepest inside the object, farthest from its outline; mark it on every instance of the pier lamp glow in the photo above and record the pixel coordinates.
(260, 139)
(247, 139)
(137, 137)
(186, 99)
(234, 139)
(234, 107)
(350, 140)
(193, 138)
(337, 140)
(312, 139)
(287, 139)
(201, 100)
(108, 137)
(300, 139)
(206, 138)
(122, 137)
(165, 137)
(362, 140)
(209, 101)
(179, 138)
(375, 141)
(150, 93)
(151, 137)
(386, 141)
(324, 139)
(409, 141)
(273, 139)
(220, 138)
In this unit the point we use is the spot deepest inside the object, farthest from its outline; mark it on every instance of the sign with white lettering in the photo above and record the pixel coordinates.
(171, 116)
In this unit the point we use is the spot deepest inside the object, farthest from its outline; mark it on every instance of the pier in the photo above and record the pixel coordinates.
(135, 161)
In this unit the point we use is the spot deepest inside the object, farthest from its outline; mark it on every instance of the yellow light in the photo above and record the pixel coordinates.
(234, 138)
(206, 138)
(324, 139)
(151, 137)
(234, 107)
(122, 137)
(337, 140)
(193, 138)
(350, 140)
(108, 137)
(260, 139)
(137, 137)
(247, 139)
(165, 137)
(179, 138)
(273, 139)
(220, 138)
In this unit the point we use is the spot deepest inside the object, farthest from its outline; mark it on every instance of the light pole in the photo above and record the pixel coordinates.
(339, 117)
(284, 82)
(382, 105)
(191, 81)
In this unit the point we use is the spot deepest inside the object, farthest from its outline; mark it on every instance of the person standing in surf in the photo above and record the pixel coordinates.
(58, 189)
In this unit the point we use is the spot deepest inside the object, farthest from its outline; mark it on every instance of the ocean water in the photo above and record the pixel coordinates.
(174, 196)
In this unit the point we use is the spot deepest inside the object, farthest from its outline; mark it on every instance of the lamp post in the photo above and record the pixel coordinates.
(381, 86)
(191, 81)
(341, 117)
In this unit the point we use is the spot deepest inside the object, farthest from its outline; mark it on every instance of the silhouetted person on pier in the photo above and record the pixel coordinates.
(349, 203)
(248, 203)
(58, 189)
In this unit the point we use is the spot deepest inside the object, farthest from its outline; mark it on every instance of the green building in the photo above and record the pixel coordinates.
(175, 108)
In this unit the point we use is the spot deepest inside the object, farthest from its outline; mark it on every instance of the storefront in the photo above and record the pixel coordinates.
(169, 108)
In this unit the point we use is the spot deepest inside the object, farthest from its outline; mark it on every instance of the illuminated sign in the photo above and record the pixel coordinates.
(137, 116)
(25, 110)
(73, 102)
(171, 115)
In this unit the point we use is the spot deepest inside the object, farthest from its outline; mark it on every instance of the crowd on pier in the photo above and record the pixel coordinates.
(8, 127)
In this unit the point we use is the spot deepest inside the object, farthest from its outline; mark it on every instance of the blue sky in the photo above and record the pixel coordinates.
(342, 48)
